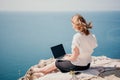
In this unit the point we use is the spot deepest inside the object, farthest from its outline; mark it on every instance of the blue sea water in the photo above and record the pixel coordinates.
(26, 37)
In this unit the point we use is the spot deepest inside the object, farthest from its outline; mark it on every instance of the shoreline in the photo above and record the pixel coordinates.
(102, 68)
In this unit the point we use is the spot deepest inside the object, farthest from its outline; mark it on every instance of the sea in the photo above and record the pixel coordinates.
(26, 37)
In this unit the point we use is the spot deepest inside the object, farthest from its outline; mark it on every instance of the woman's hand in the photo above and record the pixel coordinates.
(73, 56)
(67, 56)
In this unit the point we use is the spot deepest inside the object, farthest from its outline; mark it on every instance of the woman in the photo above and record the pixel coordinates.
(83, 45)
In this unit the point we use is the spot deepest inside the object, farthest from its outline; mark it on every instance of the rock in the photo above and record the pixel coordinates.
(102, 68)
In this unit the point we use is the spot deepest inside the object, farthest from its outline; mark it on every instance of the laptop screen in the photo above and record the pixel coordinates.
(58, 51)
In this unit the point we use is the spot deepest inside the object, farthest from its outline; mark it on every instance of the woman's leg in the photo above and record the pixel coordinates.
(47, 69)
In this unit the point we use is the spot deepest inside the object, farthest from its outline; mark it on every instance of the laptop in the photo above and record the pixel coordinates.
(58, 51)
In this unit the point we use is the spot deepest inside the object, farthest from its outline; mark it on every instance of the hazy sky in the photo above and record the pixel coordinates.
(59, 5)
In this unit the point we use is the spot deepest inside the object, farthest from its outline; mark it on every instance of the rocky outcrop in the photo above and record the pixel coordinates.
(102, 68)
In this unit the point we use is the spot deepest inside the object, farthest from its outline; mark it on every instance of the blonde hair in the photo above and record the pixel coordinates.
(81, 24)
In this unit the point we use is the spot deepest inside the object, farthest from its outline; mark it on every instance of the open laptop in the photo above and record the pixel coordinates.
(58, 51)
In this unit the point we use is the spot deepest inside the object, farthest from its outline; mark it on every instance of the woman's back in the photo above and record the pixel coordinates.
(86, 45)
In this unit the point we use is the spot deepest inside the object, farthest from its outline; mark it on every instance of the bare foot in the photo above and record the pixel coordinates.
(35, 70)
(37, 75)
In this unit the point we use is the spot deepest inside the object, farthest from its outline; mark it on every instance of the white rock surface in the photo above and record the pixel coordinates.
(102, 68)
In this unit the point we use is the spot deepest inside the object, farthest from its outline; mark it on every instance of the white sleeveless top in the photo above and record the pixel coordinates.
(86, 46)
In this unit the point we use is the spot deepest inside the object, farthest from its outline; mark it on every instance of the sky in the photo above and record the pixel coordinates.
(59, 5)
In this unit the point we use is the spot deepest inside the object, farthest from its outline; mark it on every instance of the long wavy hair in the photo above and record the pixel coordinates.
(81, 24)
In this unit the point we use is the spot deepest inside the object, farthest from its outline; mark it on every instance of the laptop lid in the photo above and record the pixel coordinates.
(58, 51)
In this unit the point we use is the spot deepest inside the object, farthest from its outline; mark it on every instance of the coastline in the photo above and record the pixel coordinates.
(102, 68)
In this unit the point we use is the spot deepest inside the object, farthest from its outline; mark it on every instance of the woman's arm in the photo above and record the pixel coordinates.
(74, 55)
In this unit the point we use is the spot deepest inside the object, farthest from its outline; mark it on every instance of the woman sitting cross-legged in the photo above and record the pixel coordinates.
(83, 44)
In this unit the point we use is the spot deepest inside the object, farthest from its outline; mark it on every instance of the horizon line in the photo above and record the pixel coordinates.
(62, 11)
